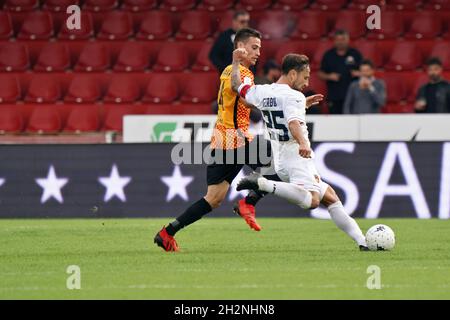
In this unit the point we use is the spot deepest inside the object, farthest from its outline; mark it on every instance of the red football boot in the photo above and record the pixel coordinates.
(247, 211)
(166, 241)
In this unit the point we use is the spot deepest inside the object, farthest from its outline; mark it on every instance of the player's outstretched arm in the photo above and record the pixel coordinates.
(238, 55)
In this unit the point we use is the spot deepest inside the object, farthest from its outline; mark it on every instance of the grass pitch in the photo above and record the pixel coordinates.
(221, 259)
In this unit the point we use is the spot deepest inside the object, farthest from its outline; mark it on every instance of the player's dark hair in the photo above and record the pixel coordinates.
(239, 13)
(434, 61)
(293, 61)
(341, 32)
(244, 34)
(367, 62)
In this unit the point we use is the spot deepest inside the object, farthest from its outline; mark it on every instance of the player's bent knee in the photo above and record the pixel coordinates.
(315, 203)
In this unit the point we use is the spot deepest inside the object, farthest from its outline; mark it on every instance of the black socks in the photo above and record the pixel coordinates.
(195, 212)
(254, 196)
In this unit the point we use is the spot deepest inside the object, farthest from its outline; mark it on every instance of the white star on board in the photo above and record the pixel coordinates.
(114, 185)
(52, 186)
(177, 184)
(233, 192)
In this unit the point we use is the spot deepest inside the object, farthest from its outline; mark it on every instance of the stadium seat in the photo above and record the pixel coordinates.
(43, 90)
(318, 53)
(9, 89)
(363, 4)
(122, 89)
(437, 4)
(275, 24)
(251, 5)
(11, 120)
(93, 57)
(114, 116)
(139, 5)
(395, 87)
(162, 88)
(195, 25)
(53, 57)
(404, 4)
(177, 5)
(291, 5)
(117, 25)
(21, 5)
(311, 25)
(14, 57)
(200, 88)
(370, 50)
(202, 62)
(156, 25)
(85, 32)
(132, 57)
(419, 81)
(442, 51)
(328, 4)
(425, 25)
(405, 56)
(398, 108)
(392, 26)
(288, 47)
(224, 21)
(316, 84)
(44, 119)
(352, 21)
(100, 5)
(6, 27)
(38, 25)
(171, 57)
(215, 5)
(83, 89)
(83, 119)
(59, 5)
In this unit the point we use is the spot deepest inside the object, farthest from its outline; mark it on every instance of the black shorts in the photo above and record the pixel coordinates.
(222, 171)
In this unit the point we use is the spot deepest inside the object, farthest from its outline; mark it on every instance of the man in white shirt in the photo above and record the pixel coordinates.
(284, 111)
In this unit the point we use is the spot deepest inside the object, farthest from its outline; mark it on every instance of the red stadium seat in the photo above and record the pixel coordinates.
(54, 56)
(6, 27)
(114, 116)
(45, 119)
(194, 25)
(352, 21)
(117, 25)
(202, 63)
(291, 5)
(311, 25)
(405, 56)
(14, 57)
(275, 24)
(37, 26)
(404, 4)
(425, 25)
(215, 5)
(398, 108)
(442, 51)
(21, 5)
(132, 57)
(316, 84)
(122, 89)
(171, 57)
(43, 90)
(420, 80)
(9, 89)
(328, 4)
(59, 5)
(363, 4)
(85, 32)
(319, 51)
(392, 26)
(100, 5)
(162, 88)
(139, 5)
(288, 47)
(83, 119)
(251, 5)
(93, 57)
(200, 88)
(156, 25)
(395, 87)
(11, 120)
(177, 5)
(370, 50)
(83, 89)
(437, 4)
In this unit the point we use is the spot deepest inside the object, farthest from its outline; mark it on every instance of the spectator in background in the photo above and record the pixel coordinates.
(221, 54)
(338, 68)
(271, 73)
(434, 97)
(366, 95)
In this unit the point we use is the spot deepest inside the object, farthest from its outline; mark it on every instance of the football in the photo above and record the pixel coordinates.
(380, 237)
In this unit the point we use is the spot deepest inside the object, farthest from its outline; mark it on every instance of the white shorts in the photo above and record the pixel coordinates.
(293, 168)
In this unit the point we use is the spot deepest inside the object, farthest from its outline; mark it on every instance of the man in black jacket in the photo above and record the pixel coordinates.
(221, 53)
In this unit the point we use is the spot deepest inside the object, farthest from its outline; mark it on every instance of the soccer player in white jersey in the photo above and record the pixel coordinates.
(284, 108)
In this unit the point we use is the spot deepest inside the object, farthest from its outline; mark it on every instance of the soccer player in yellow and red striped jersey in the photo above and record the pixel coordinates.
(231, 134)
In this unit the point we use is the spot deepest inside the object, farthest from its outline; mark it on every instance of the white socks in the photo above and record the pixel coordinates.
(346, 223)
(289, 191)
